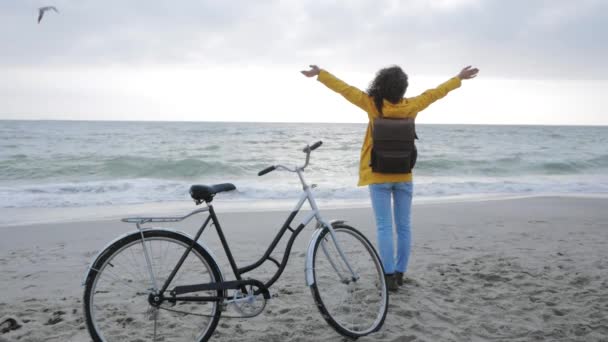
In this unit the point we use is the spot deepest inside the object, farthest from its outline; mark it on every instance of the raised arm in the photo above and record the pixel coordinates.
(350, 93)
(428, 97)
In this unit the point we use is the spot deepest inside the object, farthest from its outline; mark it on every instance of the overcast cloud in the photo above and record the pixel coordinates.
(555, 39)
(541, 61)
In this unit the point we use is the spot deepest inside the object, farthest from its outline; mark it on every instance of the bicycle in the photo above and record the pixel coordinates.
(161, 284)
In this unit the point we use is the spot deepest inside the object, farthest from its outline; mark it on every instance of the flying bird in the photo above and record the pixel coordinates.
(41, 11)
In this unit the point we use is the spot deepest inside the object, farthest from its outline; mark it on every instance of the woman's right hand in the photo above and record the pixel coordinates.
(468, 73)
(314, 71)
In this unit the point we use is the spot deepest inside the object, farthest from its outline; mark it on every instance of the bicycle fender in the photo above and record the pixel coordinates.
(308, 268)
(137, 232)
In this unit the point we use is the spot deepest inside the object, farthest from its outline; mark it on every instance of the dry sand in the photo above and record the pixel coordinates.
(533, 269)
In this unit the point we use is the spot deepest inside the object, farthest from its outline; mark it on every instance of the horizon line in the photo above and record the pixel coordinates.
(300, 122)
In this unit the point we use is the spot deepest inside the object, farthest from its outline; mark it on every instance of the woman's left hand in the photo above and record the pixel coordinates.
(314, 71)
(468, 73)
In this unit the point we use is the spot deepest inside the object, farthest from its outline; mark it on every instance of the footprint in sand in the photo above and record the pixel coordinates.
(90, 254)
(491, 277)
(580, 281)
(9, 324)
(56, 318)
(285, 291)
(558, 312)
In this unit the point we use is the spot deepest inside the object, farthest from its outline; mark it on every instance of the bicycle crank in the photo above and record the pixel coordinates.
(248, 304)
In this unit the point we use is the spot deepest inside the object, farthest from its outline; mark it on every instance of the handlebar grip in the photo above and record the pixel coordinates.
(266, 170)
(313, 147)
(316, 145)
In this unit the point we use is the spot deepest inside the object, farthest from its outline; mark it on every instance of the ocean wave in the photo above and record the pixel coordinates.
(18, 167)
(211, 148)
(18, 156)
(599, 161)
(509, 166)
(189, 167)
(560, 168)
(164, 168)
(144, 190)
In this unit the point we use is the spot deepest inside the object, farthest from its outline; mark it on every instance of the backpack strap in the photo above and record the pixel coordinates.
(381, 116)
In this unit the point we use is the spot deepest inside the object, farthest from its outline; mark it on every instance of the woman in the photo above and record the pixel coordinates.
(384, 98)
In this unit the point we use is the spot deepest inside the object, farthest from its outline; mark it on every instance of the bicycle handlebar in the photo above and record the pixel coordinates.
(266, 170)
(306, 150)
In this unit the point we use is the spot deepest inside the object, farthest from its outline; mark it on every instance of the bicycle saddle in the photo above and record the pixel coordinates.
(206, 192)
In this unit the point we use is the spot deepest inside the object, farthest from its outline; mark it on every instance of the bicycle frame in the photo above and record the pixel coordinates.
(306, 196)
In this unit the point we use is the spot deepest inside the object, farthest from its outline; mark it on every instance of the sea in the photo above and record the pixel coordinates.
(70, 164)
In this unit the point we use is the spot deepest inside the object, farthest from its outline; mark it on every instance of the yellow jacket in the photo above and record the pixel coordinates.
(406, 108)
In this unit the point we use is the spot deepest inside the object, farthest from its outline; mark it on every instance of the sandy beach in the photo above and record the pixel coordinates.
(531, 269)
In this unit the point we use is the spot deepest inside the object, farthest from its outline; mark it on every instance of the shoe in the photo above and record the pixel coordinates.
(391, 282)
(399, 278)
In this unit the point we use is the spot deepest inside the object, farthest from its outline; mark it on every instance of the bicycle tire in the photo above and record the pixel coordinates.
(369, 293)
(104, 319)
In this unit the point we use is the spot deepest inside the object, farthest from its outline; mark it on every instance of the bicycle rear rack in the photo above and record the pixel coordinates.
(142, 220)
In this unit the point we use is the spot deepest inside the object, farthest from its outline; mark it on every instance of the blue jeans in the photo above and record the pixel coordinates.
(381, 202)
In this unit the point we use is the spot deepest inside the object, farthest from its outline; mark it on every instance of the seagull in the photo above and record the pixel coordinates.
(41, 11)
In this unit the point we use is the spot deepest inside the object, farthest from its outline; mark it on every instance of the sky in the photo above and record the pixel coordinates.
(541, 61)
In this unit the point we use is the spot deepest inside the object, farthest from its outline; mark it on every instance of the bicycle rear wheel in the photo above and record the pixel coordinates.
(118, 289)
(354, 307)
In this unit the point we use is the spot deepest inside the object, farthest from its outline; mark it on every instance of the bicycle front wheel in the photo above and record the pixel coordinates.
(354, 305)
(119, 291)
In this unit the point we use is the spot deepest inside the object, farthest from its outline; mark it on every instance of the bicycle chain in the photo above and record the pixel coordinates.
(223, 316)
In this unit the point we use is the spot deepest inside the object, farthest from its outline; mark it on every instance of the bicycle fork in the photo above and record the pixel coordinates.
(345, 279)
(347, 274)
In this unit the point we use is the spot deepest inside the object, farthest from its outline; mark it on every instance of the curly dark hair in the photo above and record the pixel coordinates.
(390, 84)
